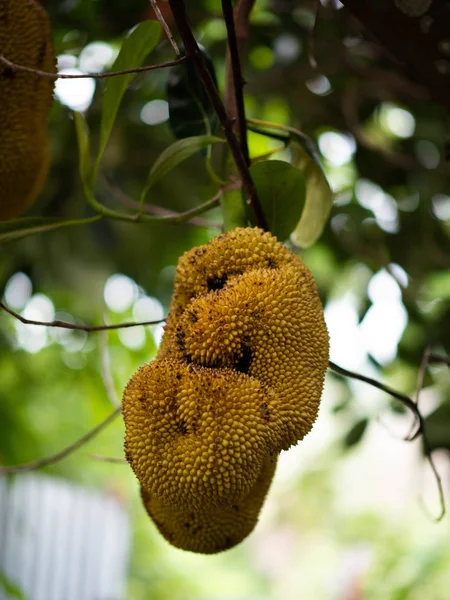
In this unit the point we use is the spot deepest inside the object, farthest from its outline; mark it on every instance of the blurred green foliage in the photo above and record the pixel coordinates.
(384, 215)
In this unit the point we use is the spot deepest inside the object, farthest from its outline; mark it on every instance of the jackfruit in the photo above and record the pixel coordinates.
(265, 319)
(237, 379)
(211, 530)
(25, 102)
(197, 436)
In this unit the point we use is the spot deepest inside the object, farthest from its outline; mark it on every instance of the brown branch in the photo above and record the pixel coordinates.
(312, 37)
(405, 400)
(15, 67)
(435, 359)
(160, 211)
(418, 49)
(65, 325)
(165, 26)
(193, 53)
(49, 460)
(108, 459)
(234, 94)
(106, 371)
(420, 431)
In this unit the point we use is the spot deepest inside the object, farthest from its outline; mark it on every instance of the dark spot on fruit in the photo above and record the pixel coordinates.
(182, 428)
(264, 411)
(41, 54)
(216, 283)
(8, 73)
(243, 359)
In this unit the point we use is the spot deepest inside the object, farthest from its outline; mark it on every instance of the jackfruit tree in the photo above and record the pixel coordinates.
(253, 169)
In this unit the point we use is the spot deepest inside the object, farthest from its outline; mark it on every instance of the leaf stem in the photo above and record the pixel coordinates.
(238, 80)
(193, 53)
(48, 75)
(65, 325)
(54, 458)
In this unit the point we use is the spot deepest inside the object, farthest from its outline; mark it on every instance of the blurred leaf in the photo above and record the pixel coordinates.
(20, 228)
(11, 589)
(355, 434)
(281, 192)
(175, 154)
(141, 41)
(319, 197)
(85, 166)
(437, 427)
(233, 210)
(190, 110)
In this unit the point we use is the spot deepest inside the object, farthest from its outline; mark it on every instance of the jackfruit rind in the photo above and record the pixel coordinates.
(197, 437)
(25, 102)
(210, 531)
(244, 352)
(268, 323)
(210, 266)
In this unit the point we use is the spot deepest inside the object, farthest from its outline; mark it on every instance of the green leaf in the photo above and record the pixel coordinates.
(20, 228)
(281, 192)
(141, 41)
(84, 153)
(437, 427)
(355, 434)
(319, 197)
(233, 210)
(175, 154)
(10, 588)
(190, 110)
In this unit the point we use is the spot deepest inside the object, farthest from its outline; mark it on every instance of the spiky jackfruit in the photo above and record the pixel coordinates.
(238, 378)
(211, 530)
(197, 436)
(25, 102)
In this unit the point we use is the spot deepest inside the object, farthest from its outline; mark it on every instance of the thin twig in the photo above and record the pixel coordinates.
(421, 374)
(373, 382)
(238, 82)
(417, 414)
(194, 54)
(65, 325)
(106, 371)
(173, 215)
(165, 26)
(16, 67)
(49, 460)
(108, 459)
(421, 377)
(312, 37)
(436, 359)
(152, 209)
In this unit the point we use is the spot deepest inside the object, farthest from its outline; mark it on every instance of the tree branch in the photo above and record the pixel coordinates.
(420, 431)
(15, 67)
(164, 25)
(193, 53)
(49, 460)
(65, 325)
(108, 459)
(234, 94)
(435, 359)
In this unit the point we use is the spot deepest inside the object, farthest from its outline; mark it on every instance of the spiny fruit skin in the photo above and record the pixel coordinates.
(238, 378)
(209, 531)
(197, 435)
(25, 102)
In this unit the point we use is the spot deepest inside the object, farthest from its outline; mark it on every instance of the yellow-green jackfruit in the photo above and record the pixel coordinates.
(208, 531)
(238, 378)
(25, 102)
(197, 436)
